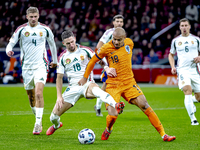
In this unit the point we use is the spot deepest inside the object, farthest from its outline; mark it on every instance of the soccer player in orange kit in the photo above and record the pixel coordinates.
(118, 53)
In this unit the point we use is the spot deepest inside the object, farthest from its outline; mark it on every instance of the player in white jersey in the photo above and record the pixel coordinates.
(73, 61)
(118, 21)
(187, 47)
(32, 38)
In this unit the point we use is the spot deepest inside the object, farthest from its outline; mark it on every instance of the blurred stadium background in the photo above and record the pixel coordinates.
(151, 24)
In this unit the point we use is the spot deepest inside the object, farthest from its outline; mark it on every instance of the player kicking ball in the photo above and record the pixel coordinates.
(73, 61)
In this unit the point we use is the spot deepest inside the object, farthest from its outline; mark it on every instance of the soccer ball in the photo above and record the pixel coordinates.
(86, 136)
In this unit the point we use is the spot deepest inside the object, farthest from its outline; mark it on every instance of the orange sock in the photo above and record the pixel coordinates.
(153, 118)
(110, 120)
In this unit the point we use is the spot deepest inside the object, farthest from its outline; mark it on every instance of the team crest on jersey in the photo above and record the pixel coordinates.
(179, 43)
(68, 61)
(82, 57)
(127, 49)
(192, 42)
(41, 34)
(26, 34)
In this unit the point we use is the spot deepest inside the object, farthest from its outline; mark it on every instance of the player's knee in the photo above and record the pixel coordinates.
(39, 95)
(54, 117)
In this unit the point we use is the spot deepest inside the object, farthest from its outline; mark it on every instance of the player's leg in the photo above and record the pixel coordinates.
(97, 107)
(142, 103)
(196, 97)
(93, 90)
(40, 76)
(31, 97)
(189, 105)
(70, 97)
(55, 117)
(112, 116)
(29, 87)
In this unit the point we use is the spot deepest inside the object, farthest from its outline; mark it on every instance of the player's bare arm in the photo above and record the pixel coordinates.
(59, 83)
(172, 63)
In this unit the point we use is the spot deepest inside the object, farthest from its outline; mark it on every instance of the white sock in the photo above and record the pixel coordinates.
(194, 99)
(98, 103)
(189, 106)
(104, 96)
(39, 113)
(34, 110)
(55, 119)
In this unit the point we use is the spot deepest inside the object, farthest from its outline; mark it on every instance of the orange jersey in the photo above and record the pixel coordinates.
(120, 59)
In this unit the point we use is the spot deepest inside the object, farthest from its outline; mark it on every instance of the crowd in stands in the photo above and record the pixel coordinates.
(89, 19)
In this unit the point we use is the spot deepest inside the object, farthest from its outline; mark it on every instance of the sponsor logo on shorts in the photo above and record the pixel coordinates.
(42, 79)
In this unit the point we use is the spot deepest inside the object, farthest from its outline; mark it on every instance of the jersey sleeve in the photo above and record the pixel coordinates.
(173, 47)
(90, 66)
(52, 45)
(14, 39)
(61, 67)
(198, 43)
(102, 51)
(107, 36)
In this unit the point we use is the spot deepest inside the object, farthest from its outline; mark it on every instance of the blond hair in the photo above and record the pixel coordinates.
(32, 10)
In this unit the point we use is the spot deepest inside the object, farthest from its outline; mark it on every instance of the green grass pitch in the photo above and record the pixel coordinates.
(132, 129)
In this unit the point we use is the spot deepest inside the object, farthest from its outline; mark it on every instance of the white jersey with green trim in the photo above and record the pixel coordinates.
(107, 36)
(187, 49)
(75, 63)
(32, 41)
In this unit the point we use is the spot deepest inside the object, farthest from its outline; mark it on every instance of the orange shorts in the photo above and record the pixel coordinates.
(127, 91)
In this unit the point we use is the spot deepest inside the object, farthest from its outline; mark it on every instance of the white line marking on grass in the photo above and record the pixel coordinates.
(18, 113)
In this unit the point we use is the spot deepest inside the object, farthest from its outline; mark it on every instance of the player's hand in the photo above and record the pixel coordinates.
(173, 71)
(59, 103)
(111, 72)
(52, 65)
(82, 81)
(197, 59)
(101, 62)
(10, 53)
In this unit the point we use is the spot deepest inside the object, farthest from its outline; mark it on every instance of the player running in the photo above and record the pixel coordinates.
(32, 38)
(187, 47)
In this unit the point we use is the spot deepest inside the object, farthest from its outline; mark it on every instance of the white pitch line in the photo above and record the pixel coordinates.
(18, 113)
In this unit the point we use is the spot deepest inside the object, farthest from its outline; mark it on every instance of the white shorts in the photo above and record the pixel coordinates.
(189, 79)
(73, 93)
(33, 76)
